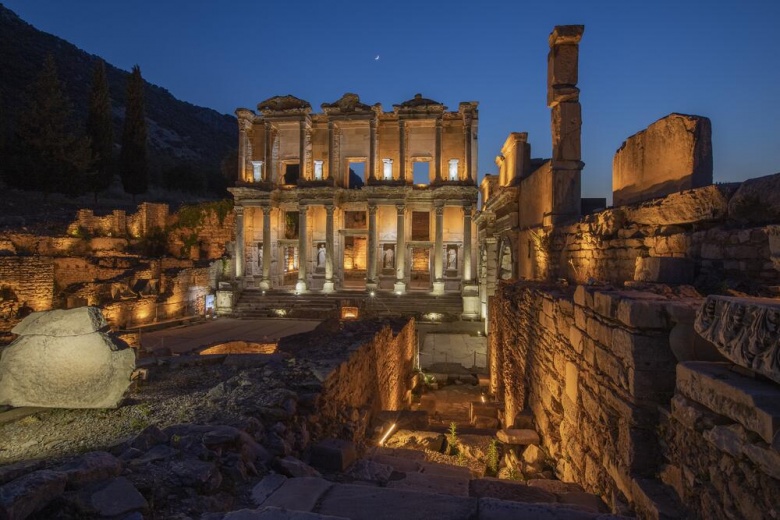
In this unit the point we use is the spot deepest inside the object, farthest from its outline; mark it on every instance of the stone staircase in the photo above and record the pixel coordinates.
(254, 303)
(389, 484)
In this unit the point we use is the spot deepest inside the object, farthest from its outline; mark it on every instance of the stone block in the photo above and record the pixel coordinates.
(642, 351)
(514, 490)
(85, 371)
(300, 494)
(431, 483)
(492, 509)
(90, 467)
(30, 493)
(671, 155)
(71, 322)
(266, 487)
(752, 403)
(583, 296)
(566, 128)
(643, 311)
(375, 503)
(757, 201)
(656, 269)
(277, 513)
(333, 454)
(110, 498)
(572, 381)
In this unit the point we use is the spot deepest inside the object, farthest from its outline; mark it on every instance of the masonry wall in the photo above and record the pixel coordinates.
(376, 376)
(593, 366)
(28, 281)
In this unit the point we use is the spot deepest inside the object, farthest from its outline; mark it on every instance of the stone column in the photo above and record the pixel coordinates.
(563, 97)
(307, 166)
(372, 150)
(400, 250)
(303, 247)
(267, 152)
(239, 252)
(302, 150)
(265, 284)
(245, 119)
(402, 150)
(371, 283)
(467, 273)
(437, 153)
(330, 150)
(438, 257)
(329, 286)
(467, 138)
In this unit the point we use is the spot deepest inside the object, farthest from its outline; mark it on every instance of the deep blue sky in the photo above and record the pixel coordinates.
(639, 60)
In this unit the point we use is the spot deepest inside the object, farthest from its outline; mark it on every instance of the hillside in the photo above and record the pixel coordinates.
(179, 132)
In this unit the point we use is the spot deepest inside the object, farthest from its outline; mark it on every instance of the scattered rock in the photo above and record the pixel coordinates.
(91, 467)
(518, 436)
(111, 498)
(266, 487)
(333, 454)
(297, 468)
(30, 493)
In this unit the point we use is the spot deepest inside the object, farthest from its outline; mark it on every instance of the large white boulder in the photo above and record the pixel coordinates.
(58, 362)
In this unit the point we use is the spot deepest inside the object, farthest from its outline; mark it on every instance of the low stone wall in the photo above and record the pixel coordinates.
(377, 375)
(25, 282)
(718, 442)
(593, 365)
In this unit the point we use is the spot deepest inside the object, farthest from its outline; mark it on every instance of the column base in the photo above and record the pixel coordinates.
(328, 287)
(300, 287)
(371, 286)
(399, 288)
(438, 288)
(264, 285)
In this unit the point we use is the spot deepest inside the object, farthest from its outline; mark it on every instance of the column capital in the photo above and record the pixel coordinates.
(303, 206)
(330, 208)
(372, 207)
(239, 210)
(439, 207)
(400, 208)
(267, 210)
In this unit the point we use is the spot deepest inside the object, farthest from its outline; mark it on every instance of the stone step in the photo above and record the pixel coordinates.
(360, 502)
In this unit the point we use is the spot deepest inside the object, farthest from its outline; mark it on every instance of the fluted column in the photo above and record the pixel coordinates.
(400, 250)
(267, 152)
(437, 153)
(303, 249)
(265, 284)
(239, 252)
(330, 150)
(329, 286)
(467, 274)
(438, 267)
(467, 144)
(371, 278)
(302, 151)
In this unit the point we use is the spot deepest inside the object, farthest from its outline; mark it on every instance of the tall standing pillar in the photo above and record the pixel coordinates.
(303, 249)
(438, 257)
(563, 97)
(371, 283)
(372, 150)
(265, 283)
(402, 150)
(330, 150)
(437, 153)
(239, 252)
(400, 250)
(302, 150)
(245, 119)
(329, 286)
(467, 273)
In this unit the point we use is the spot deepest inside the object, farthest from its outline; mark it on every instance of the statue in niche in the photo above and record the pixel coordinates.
(260, 255)
(453, 172)
(452, 258)
(388, 257)
(387, 169)
(321, 256)
(506, 263)
(318, 170)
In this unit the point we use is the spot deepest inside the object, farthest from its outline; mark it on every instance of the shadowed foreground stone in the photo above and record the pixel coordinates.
(25, 495)
(62, 360)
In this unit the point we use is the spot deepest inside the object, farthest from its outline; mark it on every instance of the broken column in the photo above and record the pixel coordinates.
(563, 97)
(65, 359)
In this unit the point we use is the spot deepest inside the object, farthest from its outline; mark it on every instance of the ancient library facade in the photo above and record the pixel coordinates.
(355, 198)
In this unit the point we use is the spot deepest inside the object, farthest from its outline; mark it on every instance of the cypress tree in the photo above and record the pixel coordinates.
(52, 158)
(100, 131)
(133, 162)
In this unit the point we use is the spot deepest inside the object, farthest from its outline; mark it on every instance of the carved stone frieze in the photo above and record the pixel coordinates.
(745, 330)
(349, 103)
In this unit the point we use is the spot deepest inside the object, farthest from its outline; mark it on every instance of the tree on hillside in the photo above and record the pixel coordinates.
(100, 131)
(133, 159)
(50, 157)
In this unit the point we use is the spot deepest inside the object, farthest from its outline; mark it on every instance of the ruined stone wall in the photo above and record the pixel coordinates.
(696, 225)
(24, 282)
(376, 376)
(593, 366)
(114, 224)
(205, 236)
(73, 270)
(671, 155)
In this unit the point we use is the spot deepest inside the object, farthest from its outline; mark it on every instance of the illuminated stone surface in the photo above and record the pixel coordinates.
(74, 370)
(672, 154)
(744, 330)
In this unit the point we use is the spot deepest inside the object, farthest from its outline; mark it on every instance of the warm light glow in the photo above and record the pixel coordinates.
(281, 313)
(387, 434)
(240, 347)
(349, 313)
(482, 397)
(372, 294)
(433, 316)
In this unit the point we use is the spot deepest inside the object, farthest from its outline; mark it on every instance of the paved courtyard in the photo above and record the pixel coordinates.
(186, 338)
